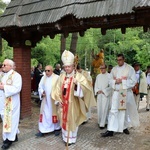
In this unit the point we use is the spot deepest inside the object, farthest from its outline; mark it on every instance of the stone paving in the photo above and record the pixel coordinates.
(88, 135)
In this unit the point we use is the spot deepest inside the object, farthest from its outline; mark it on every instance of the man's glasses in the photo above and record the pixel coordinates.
(47, 70)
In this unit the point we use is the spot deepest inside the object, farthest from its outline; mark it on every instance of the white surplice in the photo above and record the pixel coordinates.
(1, 96)
(13, 91)
(103, 100)
(121, 119)
(47, 124)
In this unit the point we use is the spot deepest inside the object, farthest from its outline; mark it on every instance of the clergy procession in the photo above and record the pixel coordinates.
(67, 99)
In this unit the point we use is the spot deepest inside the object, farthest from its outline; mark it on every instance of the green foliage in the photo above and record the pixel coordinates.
(34, 62)
(7, 51)
(134, 44)
(85, 46)
(47, 51)
(2, 6)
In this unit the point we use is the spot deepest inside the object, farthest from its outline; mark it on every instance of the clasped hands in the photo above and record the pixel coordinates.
(119, 80)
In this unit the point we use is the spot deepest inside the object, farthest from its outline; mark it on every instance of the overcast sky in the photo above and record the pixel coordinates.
(6, 1)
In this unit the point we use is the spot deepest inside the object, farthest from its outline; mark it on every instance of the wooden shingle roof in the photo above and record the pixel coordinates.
(32, 19)
(23, 13)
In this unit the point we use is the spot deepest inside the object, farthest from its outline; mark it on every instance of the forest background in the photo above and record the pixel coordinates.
(135, 45)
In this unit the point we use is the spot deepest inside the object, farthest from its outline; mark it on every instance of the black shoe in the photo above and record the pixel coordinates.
(6, 145)
(83, 122)
(126, 131)
(147, 109)
(6, 141)
(16, 139)
(107, 133)
(68, 144)
(39, 134)
(57, 132)
(102, 128)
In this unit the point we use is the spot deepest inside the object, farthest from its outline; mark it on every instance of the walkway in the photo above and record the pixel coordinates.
(88, 136)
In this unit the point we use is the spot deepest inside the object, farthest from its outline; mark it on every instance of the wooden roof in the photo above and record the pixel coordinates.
(23, 13)
(50, 17)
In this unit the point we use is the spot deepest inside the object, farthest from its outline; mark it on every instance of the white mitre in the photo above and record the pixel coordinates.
(67, 58)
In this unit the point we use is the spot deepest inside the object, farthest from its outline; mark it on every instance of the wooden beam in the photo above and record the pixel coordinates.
(123, 30)
(103, 31)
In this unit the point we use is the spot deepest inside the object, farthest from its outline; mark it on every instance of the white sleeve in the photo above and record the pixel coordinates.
(78, 92)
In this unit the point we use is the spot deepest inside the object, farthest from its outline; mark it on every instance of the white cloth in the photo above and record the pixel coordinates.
(137, 100)
(1, 96)
(78, 92)
(13, 91)
(103, 100)
(119, 119)
(47, 125)
(148, 99)
(72, 136)
(148, 78)
(138, 75)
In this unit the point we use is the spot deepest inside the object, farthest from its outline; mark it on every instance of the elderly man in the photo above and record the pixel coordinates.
(123, 107)
(48, 121)
(75, 96)
(11, 84)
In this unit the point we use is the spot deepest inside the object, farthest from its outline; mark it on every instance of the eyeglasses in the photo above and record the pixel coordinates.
(47, 70)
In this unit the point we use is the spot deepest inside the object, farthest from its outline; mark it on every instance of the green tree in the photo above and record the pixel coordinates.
(47, 51)
(2, 6)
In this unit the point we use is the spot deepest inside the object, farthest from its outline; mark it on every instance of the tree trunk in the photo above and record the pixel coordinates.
(63, 45)
(85, 61)
(74, 41)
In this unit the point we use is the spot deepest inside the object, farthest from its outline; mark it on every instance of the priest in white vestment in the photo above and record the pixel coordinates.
(75, 96)
(11, 84)
(123, 112)
(48, 119)
(103, 92)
